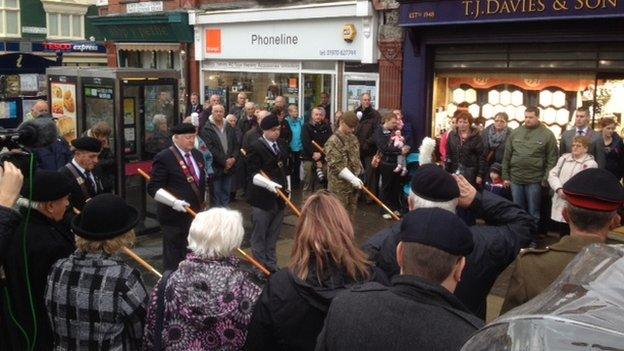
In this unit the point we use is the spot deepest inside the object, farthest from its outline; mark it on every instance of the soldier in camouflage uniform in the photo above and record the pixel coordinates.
(342, 152)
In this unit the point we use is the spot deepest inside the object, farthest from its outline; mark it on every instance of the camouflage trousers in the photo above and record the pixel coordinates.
(348, 198)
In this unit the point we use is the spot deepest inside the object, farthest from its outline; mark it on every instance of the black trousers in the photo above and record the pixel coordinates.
(295, 177)
(390, 186)
(174, 245)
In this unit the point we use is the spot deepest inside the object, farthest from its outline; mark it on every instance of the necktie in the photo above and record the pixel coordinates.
(91, 181)
(189, 164)
(275, 149)
(581, 132)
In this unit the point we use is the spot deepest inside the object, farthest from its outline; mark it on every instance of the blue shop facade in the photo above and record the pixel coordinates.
(506, 55)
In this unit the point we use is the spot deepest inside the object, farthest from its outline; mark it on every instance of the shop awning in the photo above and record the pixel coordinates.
(168, 27)
(148, 47)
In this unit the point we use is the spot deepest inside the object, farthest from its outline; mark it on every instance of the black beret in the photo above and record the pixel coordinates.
(47, 186)
(437, 228)
(433, 183)
(87, 144)
(594, 189)
(183, 128)
(94, 222)
(269, 122)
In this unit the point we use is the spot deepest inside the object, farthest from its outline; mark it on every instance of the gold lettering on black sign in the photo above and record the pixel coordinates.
(482, 8)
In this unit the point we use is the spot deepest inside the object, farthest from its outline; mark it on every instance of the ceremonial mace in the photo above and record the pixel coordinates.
(365, 190)
(133, 255)
(194, 214)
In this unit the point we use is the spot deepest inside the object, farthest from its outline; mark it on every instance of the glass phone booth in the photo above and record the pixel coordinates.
(140, 106)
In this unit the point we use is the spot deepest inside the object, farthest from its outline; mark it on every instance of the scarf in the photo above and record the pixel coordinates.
(496, 138)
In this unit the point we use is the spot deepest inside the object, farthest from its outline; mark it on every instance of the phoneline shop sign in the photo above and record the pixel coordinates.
(346, 39)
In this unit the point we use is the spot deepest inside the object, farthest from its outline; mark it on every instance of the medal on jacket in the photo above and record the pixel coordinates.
(280, 164)
(189, 177)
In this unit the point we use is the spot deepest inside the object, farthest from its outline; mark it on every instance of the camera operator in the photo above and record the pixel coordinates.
(42, 238)
(11, 179)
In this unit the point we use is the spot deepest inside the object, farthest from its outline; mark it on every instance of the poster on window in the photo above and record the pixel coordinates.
(355, 89)
(8, 109)
(64, 108)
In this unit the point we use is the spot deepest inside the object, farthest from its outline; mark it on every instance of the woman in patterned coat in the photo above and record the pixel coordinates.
(208, 301)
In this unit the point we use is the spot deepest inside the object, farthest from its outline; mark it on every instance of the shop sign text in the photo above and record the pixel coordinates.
(467, 11)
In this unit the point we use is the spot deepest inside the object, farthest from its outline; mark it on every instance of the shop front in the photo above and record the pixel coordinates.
(299, 52)
(506, 55)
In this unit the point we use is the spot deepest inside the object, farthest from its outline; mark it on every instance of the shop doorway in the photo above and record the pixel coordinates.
(317, 91)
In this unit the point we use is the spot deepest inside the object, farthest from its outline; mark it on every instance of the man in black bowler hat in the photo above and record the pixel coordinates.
(179, 170)
(593, 197)
(508, 229)
(267, 154)
(419, 311)
(80, 169)
(43, 237)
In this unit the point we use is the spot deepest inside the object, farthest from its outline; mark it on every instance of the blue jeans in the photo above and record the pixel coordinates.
(221, 187)
(529, 197)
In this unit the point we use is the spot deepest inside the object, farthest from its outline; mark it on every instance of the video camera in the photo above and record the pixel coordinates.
(34, 133)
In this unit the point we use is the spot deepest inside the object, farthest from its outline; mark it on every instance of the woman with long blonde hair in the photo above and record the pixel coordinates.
(324, 262)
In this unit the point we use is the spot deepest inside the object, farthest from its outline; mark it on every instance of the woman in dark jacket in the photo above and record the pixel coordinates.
(324, 262)
(465, 151)
(494, 138)
(390, 180)
(613, 147)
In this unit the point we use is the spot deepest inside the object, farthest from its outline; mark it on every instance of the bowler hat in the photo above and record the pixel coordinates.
(47, 186)
(105, 217)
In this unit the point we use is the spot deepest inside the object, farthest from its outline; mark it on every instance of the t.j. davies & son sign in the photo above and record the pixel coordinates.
(419, 13)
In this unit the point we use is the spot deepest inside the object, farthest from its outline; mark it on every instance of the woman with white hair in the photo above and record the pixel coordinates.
(208, 301)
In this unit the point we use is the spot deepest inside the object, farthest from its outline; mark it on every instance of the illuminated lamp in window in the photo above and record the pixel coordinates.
(545, 98)
(489, 122)
(505, 97)
(493, 97)
(559, 99)
(488, 111)
(550, 115)
(517, 98)
(499, 108)
(513, 124)
(474, 110)
(520, 113)
(510, 110)
(459, 96)
(471, 95)
(450, 109)
(556, 130)
(563, 117)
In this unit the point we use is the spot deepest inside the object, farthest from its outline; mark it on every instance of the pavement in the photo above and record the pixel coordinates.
(368, 221)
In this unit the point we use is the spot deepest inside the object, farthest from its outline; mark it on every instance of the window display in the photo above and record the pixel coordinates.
(261, 88)
(557, 97)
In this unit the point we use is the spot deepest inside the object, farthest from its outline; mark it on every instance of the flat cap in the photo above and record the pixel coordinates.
(432, 183)
(47, 186)
(594, 189)
(437, 228)
(350, 119)
(269, 122)
(183, 128)
(87, 144)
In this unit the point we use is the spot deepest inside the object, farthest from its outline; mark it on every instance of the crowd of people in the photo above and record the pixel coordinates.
(66, 286)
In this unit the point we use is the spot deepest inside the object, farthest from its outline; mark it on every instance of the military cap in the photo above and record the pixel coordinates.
(94, 222)
(184, 128)
(47, 186)
(269, 122)
(594, 189)
(350, 119)
(87, 144)
(432, 183)
(437, 228)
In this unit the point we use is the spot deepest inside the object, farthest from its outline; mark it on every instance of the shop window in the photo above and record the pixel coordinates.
(9, 18)
(65, 26)
(556, 95)
(609, 99)
(261, 88)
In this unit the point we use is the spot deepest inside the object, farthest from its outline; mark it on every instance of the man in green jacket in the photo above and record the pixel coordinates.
(530, 152)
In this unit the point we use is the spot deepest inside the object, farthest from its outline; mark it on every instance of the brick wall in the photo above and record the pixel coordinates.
(119, 6)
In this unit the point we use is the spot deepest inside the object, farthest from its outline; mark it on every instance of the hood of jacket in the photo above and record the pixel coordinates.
(320, 294)
(202, 290)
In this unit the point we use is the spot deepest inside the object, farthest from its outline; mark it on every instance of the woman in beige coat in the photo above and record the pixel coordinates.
(568, 165)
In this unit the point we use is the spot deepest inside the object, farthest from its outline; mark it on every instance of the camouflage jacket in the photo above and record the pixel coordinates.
(342, 151)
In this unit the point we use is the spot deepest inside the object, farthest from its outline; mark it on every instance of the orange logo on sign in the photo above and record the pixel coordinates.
(213, 41)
